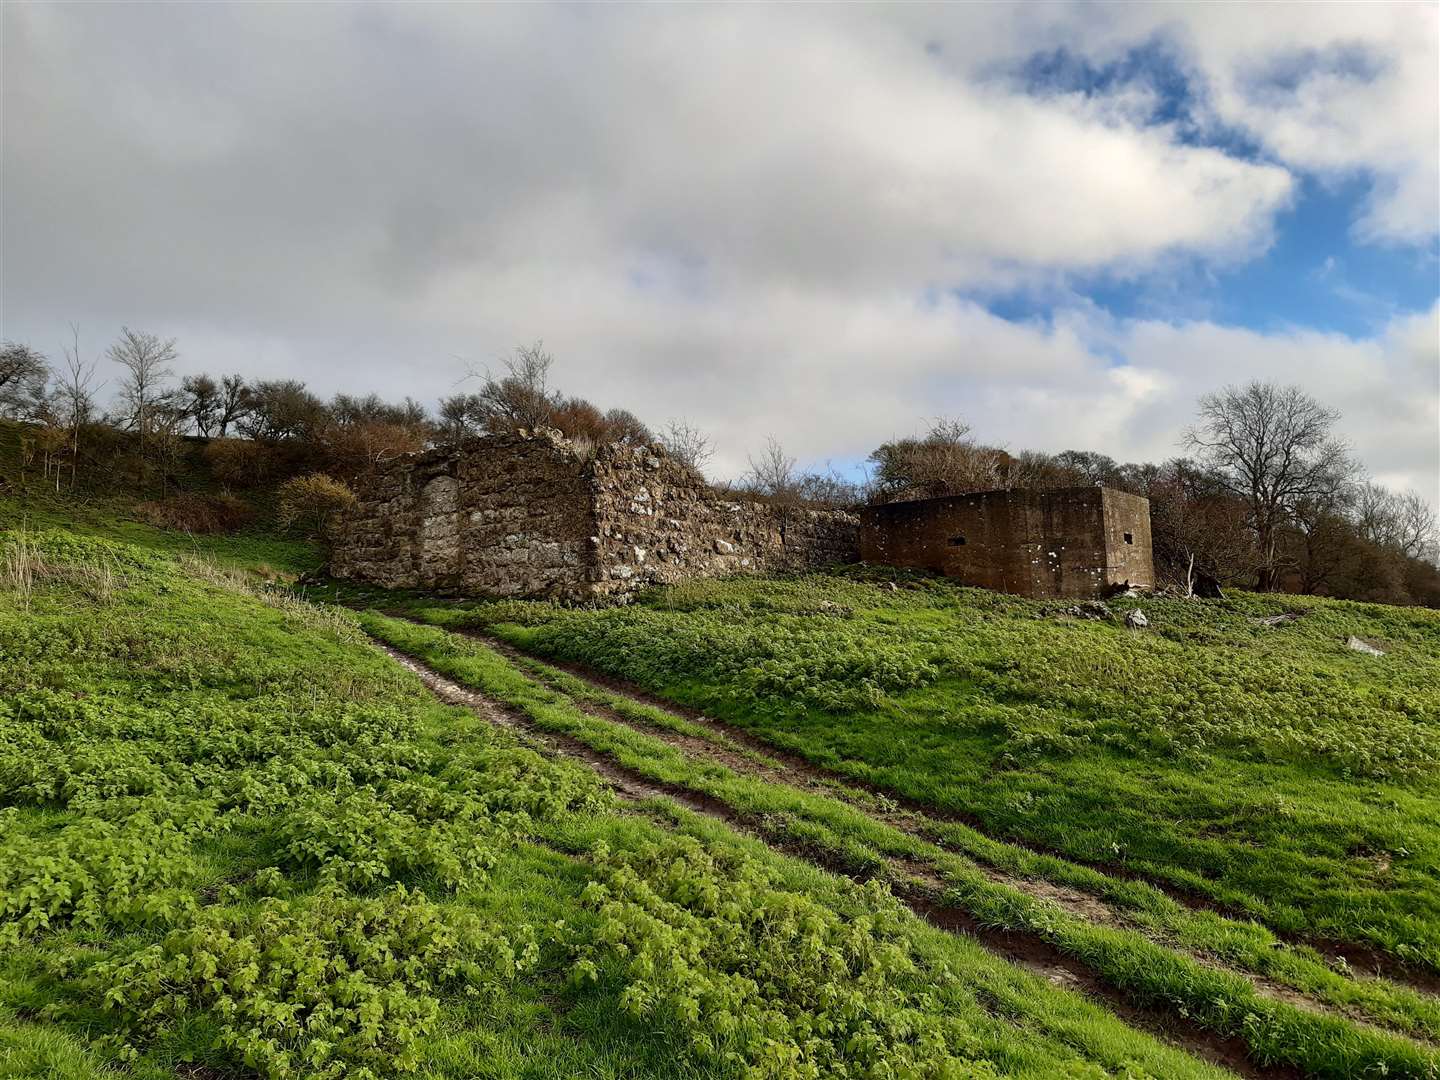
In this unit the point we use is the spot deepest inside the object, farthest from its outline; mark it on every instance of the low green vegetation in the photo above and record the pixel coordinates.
(118, 510)
(258, 551)
(238, 838)
(1147, 972)
(1243, 944)
(1263, 766)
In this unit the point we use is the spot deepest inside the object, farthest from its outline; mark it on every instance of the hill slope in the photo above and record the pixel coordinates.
(1236, 751)
(111, 506)
(237, 835)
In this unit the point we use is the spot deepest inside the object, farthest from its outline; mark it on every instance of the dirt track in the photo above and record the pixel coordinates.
(917, 885)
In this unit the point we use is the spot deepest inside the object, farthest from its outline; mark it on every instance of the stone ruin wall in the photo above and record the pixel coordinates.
(658, 522)
(504, 516)
(527, 516)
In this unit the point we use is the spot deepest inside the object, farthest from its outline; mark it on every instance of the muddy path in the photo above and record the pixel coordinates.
(754, 755)
(913, 883)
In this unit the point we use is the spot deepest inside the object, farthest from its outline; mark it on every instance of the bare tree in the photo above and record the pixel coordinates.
(773, 472)
(623, 426)
(1195, 527)
(169, 421)
(1325, 540)
(146, 359)
(234, 403)
(1272, 447)
(24, 373)
(1402, 523)
(521, 398)
(49, 440)
(1088, 467)
(830, 488)
(584, 424)
(947, 461)
(281, 409)
(1419, 531)
(201, 402)
(75, 396)
(685, 442)
(458, 418)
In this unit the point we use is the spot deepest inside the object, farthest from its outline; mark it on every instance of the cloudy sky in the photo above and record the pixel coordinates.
(1060, 222)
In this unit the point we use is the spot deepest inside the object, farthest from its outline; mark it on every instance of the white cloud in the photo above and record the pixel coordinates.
(1387, 389)
(750, 216)
(1363, 100)
(376, 150)
(1340, 90)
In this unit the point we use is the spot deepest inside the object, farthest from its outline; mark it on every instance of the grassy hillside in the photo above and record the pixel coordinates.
(865, 823)
(1264, 767)
(238, 839)
(109, 506)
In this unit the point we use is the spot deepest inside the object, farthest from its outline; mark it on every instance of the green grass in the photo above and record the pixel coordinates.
(255, 550)
(232, 833)
(1267, 768)
(107, 510)
(1244, 944)
(1149, 973)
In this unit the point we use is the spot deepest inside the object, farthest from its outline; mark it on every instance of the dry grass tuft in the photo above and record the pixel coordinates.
(23, 562)
(25, 565)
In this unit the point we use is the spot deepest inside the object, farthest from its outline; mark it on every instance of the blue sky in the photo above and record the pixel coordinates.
(1313, 273)
(1317, 275)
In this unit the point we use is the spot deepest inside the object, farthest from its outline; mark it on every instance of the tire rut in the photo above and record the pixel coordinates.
(915, 884)
(867, 797)
(1076, 902)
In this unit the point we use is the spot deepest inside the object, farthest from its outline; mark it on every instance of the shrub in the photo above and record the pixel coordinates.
(197, 513)
(241, 462)
(313, 502)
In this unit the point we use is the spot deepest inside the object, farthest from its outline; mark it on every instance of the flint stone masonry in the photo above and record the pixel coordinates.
(527, 515)
(1073, 542)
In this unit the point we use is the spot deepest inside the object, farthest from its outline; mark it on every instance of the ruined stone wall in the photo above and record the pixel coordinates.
(658, 521)
(498, 516)
(527, 516)
(377, 540)
(1075, 542)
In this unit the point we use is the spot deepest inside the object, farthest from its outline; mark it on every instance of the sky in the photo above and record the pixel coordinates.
(1060, 222)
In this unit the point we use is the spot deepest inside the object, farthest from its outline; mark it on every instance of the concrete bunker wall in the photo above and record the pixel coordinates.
(1074, 542)
(1129, 554)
